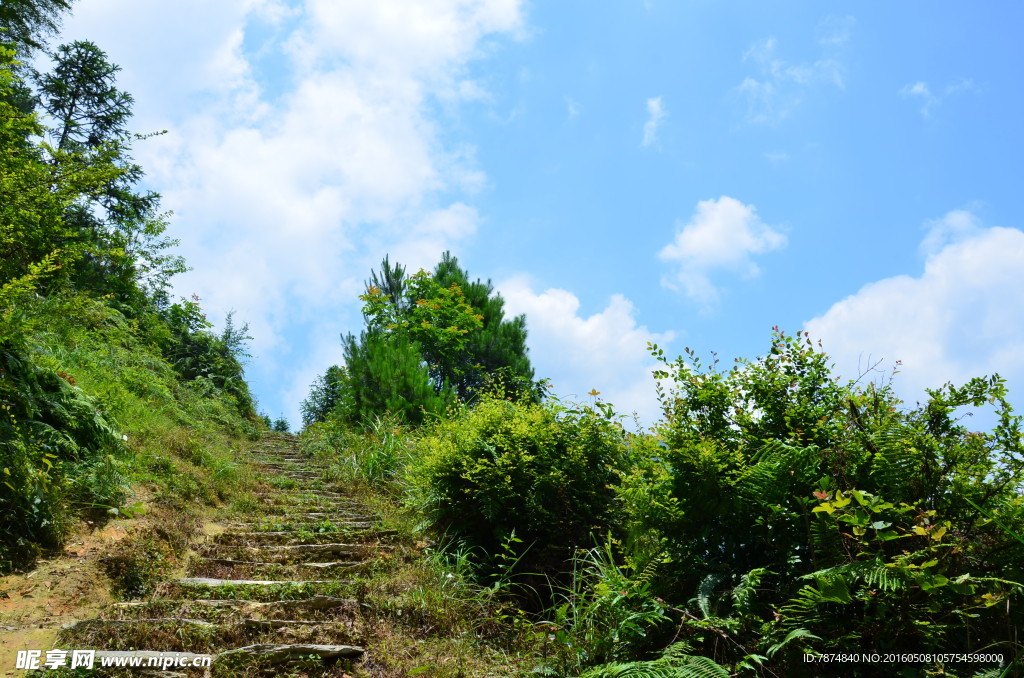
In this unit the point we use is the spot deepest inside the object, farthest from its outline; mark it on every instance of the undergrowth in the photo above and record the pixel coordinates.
(773, 514)
(95, 423)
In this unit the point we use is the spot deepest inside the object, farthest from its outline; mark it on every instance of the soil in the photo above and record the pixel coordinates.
(59, 590)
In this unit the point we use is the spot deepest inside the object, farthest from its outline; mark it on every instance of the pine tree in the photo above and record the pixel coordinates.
(429, 339)
(28, 23)
(387, 374)
(498, 350)
(329, 393)
(118, 230)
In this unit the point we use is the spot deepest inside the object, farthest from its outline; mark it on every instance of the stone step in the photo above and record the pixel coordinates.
(272, 654)
(175, 634)
(318, 607)
(231, 562)
(281, 654)
(257, 590)
(295, 552)
(307, 504)
(211, 582)
(90, 624)
(281, 468)
(295, 502)
(118, 624)
(265, 591)
(338, 525)
(323, 515)
(264, 538)
(283, 511)
(181, 661)
(251, 569)
(293, 496)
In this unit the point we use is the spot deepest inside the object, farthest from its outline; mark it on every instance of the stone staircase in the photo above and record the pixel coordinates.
(271, 593)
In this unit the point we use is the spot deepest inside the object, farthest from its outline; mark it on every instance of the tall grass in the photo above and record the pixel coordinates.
(372, 456)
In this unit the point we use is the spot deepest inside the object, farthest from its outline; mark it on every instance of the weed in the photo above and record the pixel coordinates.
(137, 563)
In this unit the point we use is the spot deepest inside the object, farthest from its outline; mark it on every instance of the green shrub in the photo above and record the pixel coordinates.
(540, 472)
(801, 513)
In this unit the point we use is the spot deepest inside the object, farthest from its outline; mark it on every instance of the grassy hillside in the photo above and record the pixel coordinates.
(92, 407)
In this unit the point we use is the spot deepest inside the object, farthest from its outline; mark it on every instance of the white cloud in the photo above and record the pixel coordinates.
(655, 114)
(957, 226)
(572, 108)
(304, 143)
(606, 351)
(427, 239)
(929, 100)
(835, 30)
(962, 317)
(401, 39)
(722, 234)
(779, 86)
(920, 90)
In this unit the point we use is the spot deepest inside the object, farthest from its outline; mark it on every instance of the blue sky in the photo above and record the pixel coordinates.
(689, 173)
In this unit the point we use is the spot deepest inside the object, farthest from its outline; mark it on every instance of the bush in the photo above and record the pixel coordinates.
(540, 472)
(798, 512)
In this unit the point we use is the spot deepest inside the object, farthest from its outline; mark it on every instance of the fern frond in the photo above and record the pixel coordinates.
(646, 575)
(792, 635)
(685, 666)
(744, 592)
(885, 578)
(774, 468)
(705, 592)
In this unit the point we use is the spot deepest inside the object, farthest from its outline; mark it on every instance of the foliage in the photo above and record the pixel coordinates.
(27, 23)
(78, 197)
(81, 96)
(676, 662)
(56, 445)
(496, 352)
(38, 185)
(773, 513)
(119, 231)
(90, 406)
(798, 512)
(437, 319)
(540, 471)
(374, 455)
(426, 344)
(137, 563)
(386, 374)
(89, 402)
(201, 356)
(607, 612)
(326, 395)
